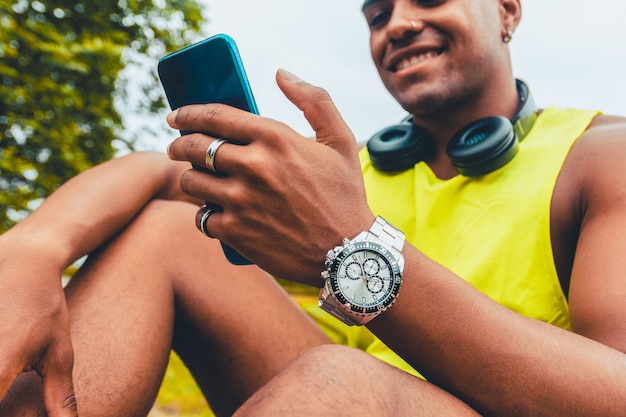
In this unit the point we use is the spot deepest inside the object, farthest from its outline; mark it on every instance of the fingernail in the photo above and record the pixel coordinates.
(289, 76)
(172, 116)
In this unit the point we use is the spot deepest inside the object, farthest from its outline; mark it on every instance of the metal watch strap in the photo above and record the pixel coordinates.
(391, 236)
(332, 307)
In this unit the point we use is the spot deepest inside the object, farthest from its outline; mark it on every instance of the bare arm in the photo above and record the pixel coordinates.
(497, 361)
(501, 363)
(598, 281)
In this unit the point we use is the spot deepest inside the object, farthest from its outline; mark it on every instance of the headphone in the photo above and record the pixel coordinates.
(479, 148)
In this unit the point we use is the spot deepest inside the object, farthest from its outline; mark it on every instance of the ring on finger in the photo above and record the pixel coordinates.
(202, 216)
(211, 151)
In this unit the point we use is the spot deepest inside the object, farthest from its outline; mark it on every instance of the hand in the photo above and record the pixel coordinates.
(34, 330)
(286, 199)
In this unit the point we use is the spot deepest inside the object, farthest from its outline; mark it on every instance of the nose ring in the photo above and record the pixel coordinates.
(413, 24)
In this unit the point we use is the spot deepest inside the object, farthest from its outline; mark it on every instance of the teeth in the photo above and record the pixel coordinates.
(416, 59)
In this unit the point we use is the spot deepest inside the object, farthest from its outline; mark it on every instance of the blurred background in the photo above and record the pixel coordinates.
(78, 82)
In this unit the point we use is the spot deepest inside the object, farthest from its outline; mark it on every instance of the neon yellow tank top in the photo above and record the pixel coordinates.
(493, 231)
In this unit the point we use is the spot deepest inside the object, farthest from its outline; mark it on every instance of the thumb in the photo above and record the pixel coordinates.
(58, 388)
(320, 111)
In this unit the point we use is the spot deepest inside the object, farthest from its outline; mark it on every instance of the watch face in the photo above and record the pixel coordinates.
(365, 276)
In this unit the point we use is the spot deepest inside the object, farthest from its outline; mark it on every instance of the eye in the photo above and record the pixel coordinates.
(377, 16)
(429, 3)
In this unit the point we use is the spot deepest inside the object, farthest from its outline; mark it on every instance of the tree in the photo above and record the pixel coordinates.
(60, 73)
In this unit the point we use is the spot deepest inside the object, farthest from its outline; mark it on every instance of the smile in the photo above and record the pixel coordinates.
(414, 60)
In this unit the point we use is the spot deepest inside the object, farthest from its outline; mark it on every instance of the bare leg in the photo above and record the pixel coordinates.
(161, 283)
(336, 380)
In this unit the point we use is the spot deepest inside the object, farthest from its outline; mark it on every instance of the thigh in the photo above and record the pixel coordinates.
(338, 380)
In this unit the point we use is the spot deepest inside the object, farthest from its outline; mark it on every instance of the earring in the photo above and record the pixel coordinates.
(507, 38)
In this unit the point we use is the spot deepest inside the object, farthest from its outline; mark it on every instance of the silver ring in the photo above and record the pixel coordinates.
(202, 216)
(211, 151)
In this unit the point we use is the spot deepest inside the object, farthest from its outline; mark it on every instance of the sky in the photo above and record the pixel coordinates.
(571, 53)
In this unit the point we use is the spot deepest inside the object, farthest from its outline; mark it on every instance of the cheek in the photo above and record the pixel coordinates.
(375, 59)
(377, 48)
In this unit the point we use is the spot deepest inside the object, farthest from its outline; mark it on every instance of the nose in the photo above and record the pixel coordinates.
(403, 25)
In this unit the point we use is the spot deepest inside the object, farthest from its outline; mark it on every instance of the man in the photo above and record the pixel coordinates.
(152, 282)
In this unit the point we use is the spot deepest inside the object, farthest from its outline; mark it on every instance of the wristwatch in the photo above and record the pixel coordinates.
(363, 275)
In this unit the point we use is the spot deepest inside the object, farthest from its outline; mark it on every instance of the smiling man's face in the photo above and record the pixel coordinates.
(428, 53)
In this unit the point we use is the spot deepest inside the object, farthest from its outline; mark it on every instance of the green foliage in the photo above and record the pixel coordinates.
(60, 66)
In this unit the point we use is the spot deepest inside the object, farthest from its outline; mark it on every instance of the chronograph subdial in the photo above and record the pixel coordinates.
(371, 267)
(375, 284)
(354, 270)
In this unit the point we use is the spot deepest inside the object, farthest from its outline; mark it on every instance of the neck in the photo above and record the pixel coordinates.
(513, 102)
(497, 100)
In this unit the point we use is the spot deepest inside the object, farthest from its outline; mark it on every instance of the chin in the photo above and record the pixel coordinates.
(425, 98)
(420, 103)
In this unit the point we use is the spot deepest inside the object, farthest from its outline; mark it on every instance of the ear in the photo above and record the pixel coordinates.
(511, 13)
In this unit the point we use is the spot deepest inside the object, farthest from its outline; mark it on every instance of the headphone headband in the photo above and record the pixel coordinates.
(527, 111)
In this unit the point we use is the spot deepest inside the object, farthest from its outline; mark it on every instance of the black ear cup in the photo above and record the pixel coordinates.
(478, 149)
(399, 147)
(483, 146)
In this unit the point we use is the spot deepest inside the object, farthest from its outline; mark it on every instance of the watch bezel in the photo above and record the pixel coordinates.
(395, 278)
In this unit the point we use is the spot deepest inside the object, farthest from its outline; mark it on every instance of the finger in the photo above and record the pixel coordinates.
(216, 189)
(204, 215)
(319, 110)
(226, 122)
(58, 387)
(194, 148)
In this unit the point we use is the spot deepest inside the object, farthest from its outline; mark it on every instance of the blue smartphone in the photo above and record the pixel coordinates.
(210, 71)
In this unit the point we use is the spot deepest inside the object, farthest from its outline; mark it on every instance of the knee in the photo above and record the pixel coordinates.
(165, 214)
(319, 379)
(340, 358)
(329, 367)
(162, 224)
(163, 236)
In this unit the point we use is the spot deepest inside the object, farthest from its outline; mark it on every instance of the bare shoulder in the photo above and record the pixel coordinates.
(593, 175)
(596, 162)
(606, 127)
(591, 179)
(597, 156)
(608, 120)
(588, 209)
